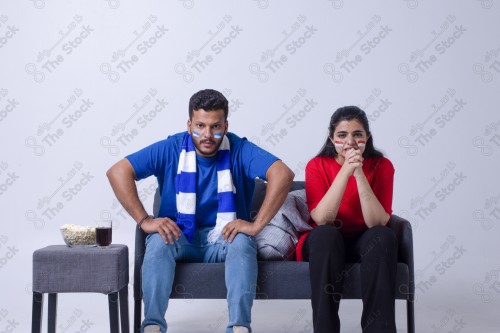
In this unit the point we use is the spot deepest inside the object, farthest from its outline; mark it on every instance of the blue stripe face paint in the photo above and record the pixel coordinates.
(218, 135)
(196, 134)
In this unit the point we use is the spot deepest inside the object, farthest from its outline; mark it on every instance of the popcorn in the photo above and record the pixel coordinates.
(75, 235)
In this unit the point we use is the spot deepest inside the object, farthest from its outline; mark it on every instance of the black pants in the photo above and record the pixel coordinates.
(327, 252)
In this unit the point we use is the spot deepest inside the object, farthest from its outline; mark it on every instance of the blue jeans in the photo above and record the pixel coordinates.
(158, 270)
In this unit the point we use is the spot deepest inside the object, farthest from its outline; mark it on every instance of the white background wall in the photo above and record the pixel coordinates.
(83, 83)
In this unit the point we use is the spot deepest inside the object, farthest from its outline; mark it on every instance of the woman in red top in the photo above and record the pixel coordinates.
(349, 196)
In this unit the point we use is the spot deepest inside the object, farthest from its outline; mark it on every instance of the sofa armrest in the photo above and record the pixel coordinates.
(404, 234)
(403, 231)
(140, 249)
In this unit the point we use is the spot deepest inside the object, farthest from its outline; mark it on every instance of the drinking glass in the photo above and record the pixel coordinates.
(103, 233)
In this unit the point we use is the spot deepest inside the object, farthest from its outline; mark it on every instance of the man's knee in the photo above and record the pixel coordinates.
(156, 249)
(242, 245)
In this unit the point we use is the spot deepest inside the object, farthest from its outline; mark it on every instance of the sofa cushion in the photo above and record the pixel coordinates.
(278, 239)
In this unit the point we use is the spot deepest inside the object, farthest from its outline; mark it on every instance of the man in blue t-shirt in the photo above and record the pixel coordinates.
(206, 181)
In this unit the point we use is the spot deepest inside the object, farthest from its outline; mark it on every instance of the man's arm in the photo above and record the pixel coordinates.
(121, 176)
(279, 180)
(122, 179)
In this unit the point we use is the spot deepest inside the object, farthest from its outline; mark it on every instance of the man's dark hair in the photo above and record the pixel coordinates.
(349, 113)
(208, 100)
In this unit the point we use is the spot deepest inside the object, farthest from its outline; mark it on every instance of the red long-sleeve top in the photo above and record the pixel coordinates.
(320, 173)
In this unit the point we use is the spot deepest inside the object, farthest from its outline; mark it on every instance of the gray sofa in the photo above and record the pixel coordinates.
(277, 279)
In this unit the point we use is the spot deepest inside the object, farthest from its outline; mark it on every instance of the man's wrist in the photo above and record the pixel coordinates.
(146, 217)
(257, 226)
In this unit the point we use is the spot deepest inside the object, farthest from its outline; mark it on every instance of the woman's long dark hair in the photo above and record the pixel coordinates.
(349, 113)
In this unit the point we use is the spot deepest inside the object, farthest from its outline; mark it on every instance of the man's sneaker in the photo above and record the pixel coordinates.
(239, 329)
(152, 329)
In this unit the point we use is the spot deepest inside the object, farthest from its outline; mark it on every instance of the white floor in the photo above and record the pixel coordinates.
(295, 317)
(437, 313)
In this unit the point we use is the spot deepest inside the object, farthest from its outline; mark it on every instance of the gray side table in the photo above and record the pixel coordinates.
(61, 269)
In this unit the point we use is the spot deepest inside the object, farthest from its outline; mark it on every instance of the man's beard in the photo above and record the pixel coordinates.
(203, 151)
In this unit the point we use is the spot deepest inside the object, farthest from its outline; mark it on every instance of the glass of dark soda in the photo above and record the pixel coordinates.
(103, 233)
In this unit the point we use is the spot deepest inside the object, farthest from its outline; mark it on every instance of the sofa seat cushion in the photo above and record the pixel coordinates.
(276, 280)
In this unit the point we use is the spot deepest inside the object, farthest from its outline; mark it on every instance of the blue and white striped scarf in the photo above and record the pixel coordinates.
(185, 189)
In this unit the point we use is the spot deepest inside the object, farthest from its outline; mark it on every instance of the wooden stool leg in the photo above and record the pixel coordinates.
(51, 324)
(36, 318)
(113, 312)
(123, 296)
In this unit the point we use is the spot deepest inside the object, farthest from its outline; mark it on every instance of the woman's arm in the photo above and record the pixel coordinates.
(373, 212)
(327, 209)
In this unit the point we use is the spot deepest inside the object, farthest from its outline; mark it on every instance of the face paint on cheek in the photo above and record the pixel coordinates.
(217, 135)
(196, 134)
(361, 143)
(338, 144)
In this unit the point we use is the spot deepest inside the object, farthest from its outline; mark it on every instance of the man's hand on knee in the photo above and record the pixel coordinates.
(231, 229)
(168, 229)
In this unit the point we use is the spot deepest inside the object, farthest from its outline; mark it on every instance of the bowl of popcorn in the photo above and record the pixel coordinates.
(78, 236)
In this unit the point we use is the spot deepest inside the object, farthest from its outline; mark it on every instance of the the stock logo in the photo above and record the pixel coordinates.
(50, 59)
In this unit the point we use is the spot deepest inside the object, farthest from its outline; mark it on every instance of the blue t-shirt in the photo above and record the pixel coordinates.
(161, 159)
